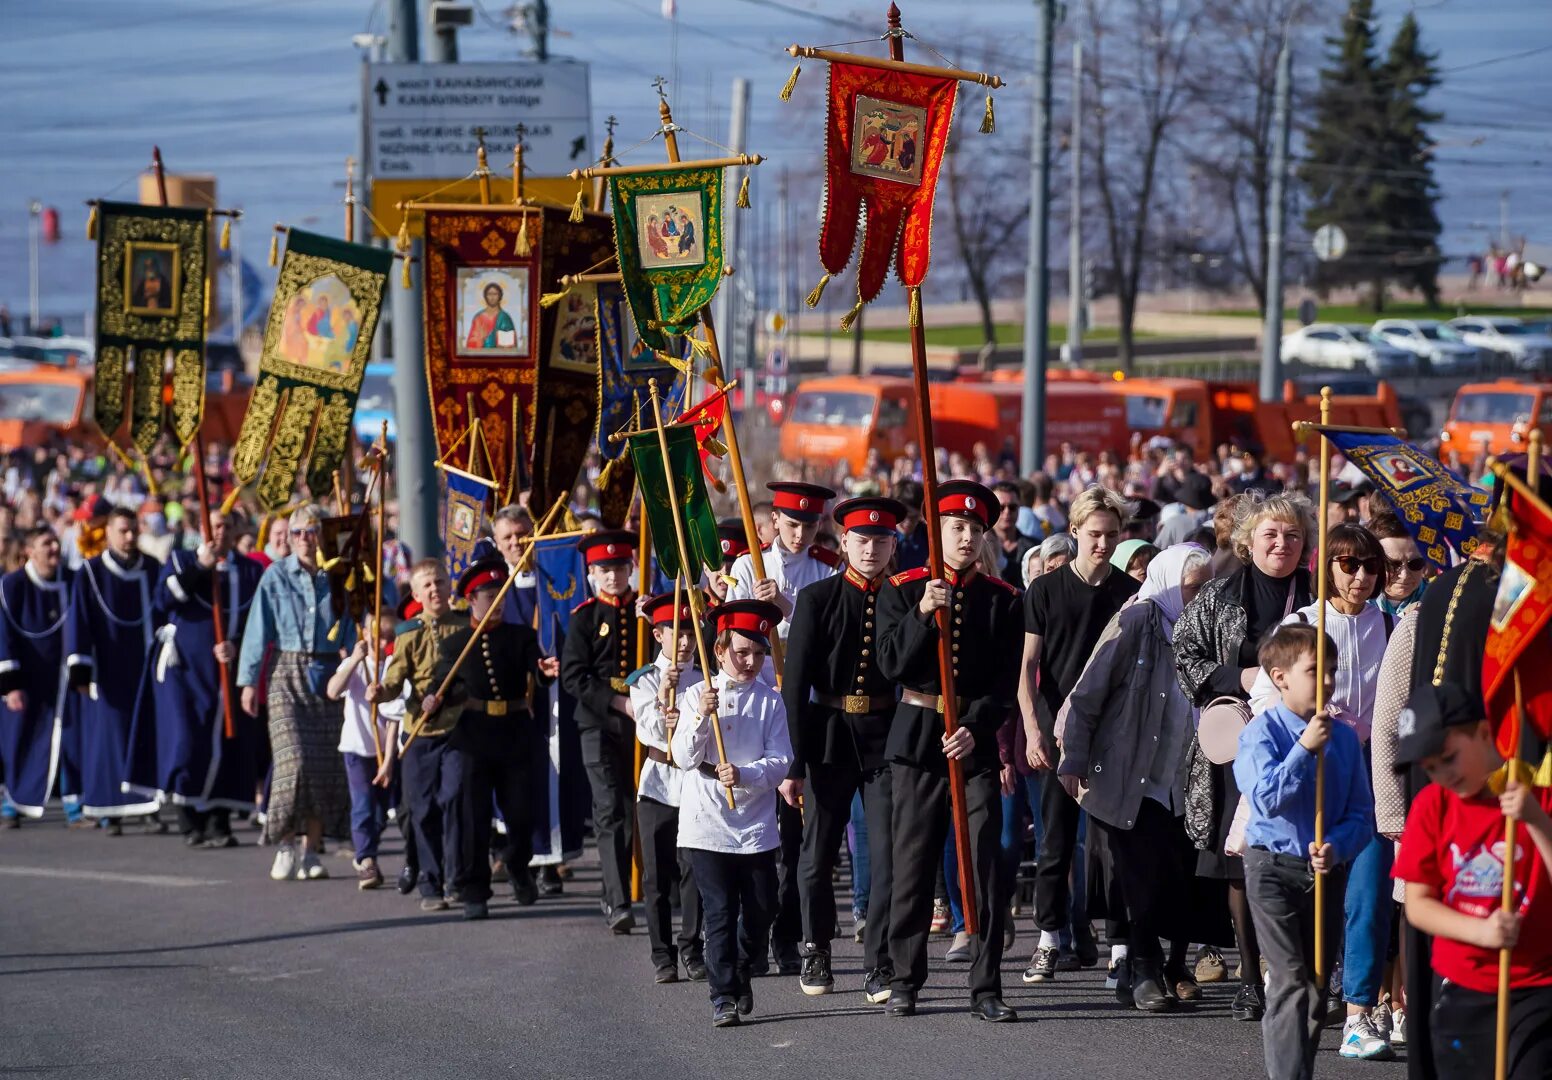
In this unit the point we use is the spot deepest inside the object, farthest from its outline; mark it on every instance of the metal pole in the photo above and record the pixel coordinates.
(540, 29)
(234, 256)
(1503, 219)
(1075, 227)
(34, 209)
(417, 490)
(724, 307)
(1272, 331)
(1036, 283)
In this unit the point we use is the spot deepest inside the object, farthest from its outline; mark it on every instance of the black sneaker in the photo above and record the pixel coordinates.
(1067, 959)
(875, 988)
(724, 1013)
(815, 978)
(1042, 966)
(1249, 1003)
(620, 920)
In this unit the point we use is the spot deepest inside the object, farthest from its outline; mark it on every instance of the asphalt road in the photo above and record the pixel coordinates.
(137, 958)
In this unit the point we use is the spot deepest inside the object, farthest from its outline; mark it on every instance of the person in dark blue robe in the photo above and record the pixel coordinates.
(108, 636)
(180, 725)
(39, 732)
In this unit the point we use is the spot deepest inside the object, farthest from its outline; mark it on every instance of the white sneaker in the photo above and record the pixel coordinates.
(312, 868)
(1380, 1017)
(1398, 1027)
(284, 868)
(1361, 1041)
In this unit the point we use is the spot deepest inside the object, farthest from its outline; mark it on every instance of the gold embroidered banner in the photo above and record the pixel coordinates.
(151, 264)
(320, 330)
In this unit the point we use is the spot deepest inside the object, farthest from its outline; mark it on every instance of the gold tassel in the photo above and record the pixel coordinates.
(226, 235)
(989, 118)
(404, 277)
(91, 224)
(402, 241)
(915, 307)
(1543, 776)
(681, 366)
(605, 474)
(523, 247)
(350, 580)
(851, 317)
(699, 347)
(812, 300)
(743, 193)
(329, 564)
(274, 249)
(231, 499)
(576, 209)
(262, 540)
(792, 82)
(715, 447)
(550, 299)
(334, 631)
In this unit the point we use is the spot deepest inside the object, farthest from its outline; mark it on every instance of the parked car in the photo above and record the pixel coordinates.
(1507, 337)
(1354, 348)
(1432, 341)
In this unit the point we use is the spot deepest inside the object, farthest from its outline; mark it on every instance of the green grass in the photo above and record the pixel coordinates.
(971, 336)
(1360, 313)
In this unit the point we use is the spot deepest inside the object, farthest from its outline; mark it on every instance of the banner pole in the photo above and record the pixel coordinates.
(1322, 592)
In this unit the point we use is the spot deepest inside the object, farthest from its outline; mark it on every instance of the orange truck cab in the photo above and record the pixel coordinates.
(37, 404)
(1496, 417)
(842, 418)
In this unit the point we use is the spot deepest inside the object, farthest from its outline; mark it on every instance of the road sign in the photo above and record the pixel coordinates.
(1330, 243)
(421, 118)
(1309, 311)
(775, 322)
(776, 361)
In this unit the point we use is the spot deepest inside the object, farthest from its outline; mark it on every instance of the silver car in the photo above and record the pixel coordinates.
(1353, 348)
(1508, 337)
(1432, 341)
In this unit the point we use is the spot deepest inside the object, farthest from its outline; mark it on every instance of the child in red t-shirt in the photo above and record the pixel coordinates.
(1452, 860)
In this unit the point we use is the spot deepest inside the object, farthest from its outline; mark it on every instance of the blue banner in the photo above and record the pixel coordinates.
(1439, 509)
(625, 365)
(463, 521)
(562, 584)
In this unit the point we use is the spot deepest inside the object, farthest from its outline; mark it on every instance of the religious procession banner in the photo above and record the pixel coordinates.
(1518, 649)
(561, 576)
(151, 265)
(702, 540)
(885, 137)
(1438, 508)
(321, 322)
(668, 229)
(626, 365)
(463, 517)
(496, 356)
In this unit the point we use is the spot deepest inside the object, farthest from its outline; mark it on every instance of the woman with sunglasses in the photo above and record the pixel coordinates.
(1360, 631)
(1405, 566)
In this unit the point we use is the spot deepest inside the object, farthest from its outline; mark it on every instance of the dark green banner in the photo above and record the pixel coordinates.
(684, 466)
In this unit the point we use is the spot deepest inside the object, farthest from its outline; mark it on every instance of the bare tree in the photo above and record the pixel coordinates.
(988, 203)
(1136, 57)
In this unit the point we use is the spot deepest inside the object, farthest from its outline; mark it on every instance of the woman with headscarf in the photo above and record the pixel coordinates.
(1125, 734)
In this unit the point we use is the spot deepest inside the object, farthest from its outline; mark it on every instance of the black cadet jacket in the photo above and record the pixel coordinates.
(988, 640)
(498, 678)
(832, 653)
(600, 651)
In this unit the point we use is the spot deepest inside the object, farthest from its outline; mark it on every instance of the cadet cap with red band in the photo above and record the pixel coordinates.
(660, 609)
(488, 571)
(608, 546)
(801, 502)
(871, 515)
(734, 543)
(966, 498)
(752, 618)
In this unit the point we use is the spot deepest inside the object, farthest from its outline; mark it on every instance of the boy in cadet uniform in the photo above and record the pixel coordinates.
(427, 781)
(730, 532)
(654, 696)
(491, 695)
(733, 850)
(793, 561)
(599, 653)
(985, 622)
(839, 706)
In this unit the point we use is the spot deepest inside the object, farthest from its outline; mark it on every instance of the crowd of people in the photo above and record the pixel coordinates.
(1128, 654)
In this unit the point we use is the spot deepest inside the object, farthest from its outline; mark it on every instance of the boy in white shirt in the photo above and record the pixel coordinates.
(732, 850)
(664, 865)
(368, 781)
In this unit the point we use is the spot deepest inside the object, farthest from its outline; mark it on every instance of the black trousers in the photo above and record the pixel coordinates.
(1152, 875)
(919, 824)
(827, 799)
(737, 900)
(430, 773)
(665, 869)
(1465, 1026)
(215, 822)
(787, 922)
(495, 763)
(1053, 867)
(608, 756)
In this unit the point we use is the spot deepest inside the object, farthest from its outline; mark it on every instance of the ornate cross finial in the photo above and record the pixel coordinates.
(479, 133)
(522, 129)
(658, 84)
(610, 124)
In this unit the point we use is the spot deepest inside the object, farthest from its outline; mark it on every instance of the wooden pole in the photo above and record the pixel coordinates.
(733, 162)
(684, 566)
(1322, 592)
(197, 451)
(1501, 1033)
(377, 582)
(350, 201)
(808, 52)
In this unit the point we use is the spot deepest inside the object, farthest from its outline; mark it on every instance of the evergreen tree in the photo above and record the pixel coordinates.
(1409, 212)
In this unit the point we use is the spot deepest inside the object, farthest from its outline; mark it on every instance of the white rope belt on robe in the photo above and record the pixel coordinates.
(167, 655)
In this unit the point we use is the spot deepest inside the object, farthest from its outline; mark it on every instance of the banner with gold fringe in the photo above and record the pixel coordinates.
(463, 516)
(626, 365)
(316, 344)
(151, 267)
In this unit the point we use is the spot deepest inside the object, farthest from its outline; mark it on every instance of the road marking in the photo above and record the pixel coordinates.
(171, 881)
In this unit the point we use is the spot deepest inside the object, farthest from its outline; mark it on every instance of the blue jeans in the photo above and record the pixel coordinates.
(1366, 908)
(1024, 795)
(861, 863)
(368, 805)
